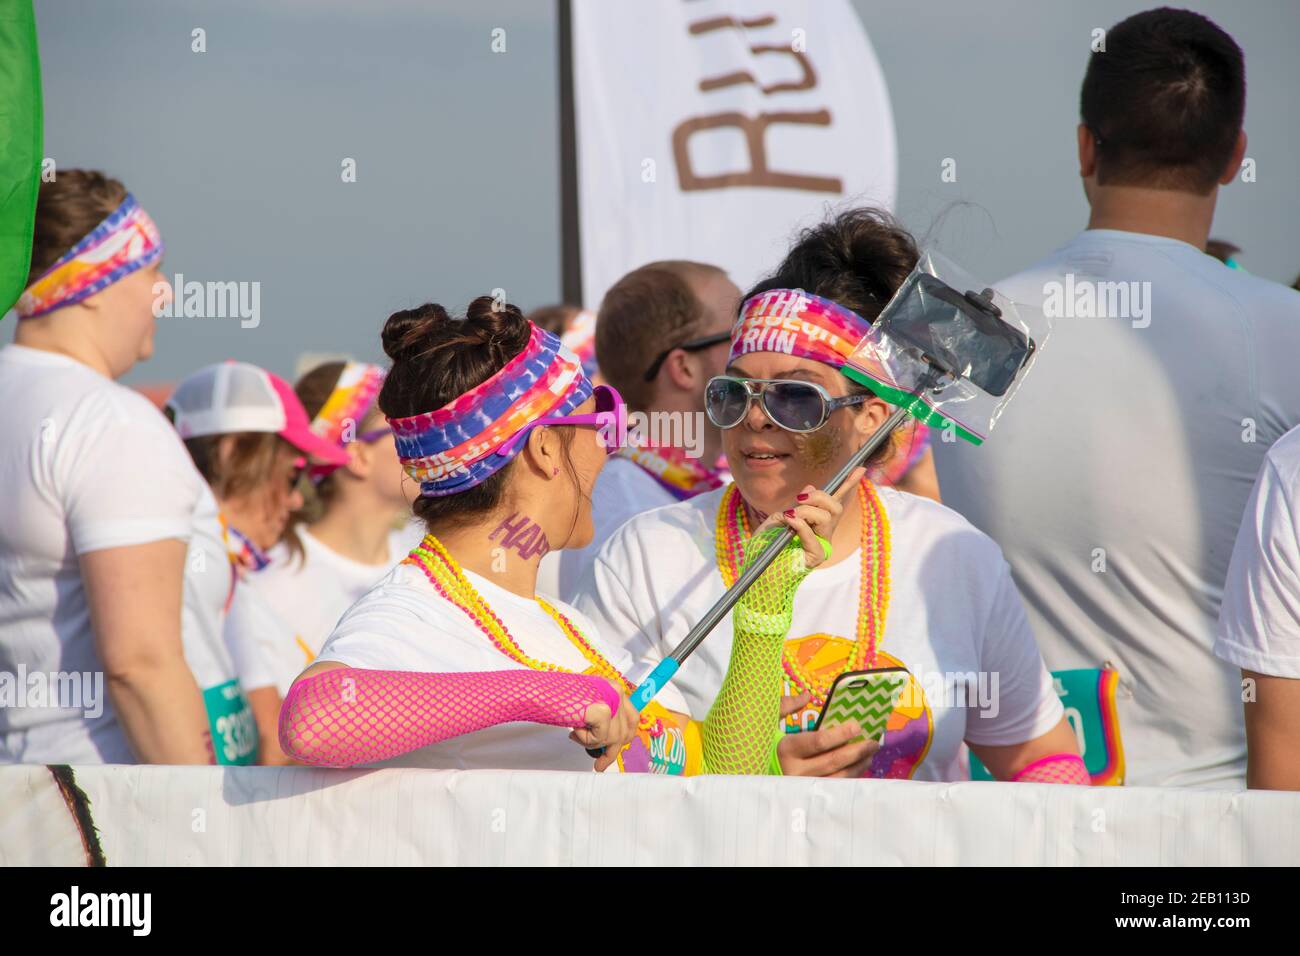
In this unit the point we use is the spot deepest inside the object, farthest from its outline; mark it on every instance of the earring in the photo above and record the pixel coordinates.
(554, 472)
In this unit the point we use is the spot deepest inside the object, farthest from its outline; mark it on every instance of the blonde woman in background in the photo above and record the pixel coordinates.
(352, 528)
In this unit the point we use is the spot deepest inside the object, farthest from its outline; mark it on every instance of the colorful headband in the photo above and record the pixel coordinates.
(452, 449)
(580, 338)
(354, 394)
(124, 242)
(796, 323)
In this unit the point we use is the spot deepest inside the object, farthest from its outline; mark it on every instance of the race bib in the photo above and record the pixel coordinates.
(234, 731)
(1088, 695)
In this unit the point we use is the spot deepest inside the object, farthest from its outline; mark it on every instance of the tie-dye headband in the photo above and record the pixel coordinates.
(454, 448)
(795, 323)
(580, 337)
(124, 242)
(339, 419)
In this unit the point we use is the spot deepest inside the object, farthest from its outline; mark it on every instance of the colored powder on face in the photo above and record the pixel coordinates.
(821, 448)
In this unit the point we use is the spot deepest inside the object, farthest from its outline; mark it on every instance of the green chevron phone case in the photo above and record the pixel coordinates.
(865, 696)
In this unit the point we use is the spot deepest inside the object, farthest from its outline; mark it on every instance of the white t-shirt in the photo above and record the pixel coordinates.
(86, 464)
(1259, 625)
(209, 578)
(1115, 482)
(954, 621)
(298, 601)
(623, 490)
(404, 624)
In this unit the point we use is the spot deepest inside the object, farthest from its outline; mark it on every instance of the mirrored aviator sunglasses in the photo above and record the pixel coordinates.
(791, 404)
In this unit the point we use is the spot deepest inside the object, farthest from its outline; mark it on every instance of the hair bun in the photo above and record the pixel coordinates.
(437, 357)
(858, 258)
(411, 331)
(490, 311)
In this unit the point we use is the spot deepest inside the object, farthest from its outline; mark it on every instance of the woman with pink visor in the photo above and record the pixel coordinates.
(249, 437)
(454, 660)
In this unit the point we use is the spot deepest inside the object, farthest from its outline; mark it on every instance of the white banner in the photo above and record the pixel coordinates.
(215, 816)
(713, 129)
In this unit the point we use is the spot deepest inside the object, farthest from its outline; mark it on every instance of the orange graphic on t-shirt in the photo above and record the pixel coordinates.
(909, 730)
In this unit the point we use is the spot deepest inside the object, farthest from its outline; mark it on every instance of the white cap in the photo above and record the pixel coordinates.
(232, 397)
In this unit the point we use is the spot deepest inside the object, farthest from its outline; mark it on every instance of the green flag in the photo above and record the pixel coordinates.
(21, 130)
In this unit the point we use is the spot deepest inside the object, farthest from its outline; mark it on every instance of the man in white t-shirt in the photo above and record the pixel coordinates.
(1117, 480)
(661, 334)
(1259, 625)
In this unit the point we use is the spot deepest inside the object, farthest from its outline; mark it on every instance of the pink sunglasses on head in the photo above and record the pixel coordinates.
(610, 411)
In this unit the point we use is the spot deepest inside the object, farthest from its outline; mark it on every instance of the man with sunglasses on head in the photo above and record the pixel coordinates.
(661, 334)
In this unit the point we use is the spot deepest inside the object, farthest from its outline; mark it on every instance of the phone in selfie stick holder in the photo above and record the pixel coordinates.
(941, 352)
(952, 356)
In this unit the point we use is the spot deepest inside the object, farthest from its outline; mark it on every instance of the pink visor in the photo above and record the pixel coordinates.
(297, 427)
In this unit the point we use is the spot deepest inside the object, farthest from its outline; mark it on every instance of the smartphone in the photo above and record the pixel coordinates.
(964, 335)
(868, 697)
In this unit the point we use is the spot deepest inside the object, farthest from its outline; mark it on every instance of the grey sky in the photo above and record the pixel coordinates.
(237, 151)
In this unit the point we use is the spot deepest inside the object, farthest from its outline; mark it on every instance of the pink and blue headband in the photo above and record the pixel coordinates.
(125, 241)
(456, 447)
(795, 323)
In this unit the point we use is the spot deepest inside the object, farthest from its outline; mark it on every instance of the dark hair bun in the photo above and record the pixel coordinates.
(858, 258)
(407, 332)
(437, 358)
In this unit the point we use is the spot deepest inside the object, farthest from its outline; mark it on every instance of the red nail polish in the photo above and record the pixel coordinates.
(790, 513)
(802, 496)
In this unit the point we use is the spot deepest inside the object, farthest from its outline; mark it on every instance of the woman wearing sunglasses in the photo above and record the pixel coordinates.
(248, 435)
(909, 584)
(453, 660)
(351, 529)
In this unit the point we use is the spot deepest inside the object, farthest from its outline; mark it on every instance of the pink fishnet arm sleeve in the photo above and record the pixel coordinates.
(1058, 768)
(349, 716)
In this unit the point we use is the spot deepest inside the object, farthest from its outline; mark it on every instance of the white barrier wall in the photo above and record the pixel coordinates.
(229, 816)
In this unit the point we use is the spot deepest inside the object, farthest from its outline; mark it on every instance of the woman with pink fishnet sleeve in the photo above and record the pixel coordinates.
(452, 660)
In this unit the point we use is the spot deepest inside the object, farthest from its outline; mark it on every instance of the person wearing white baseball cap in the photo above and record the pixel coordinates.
(250, 438)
